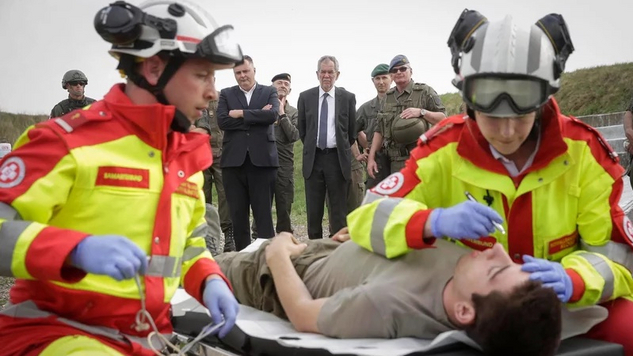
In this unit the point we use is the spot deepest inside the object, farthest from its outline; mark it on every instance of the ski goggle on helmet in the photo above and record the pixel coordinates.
(179, 28)
(503, 70)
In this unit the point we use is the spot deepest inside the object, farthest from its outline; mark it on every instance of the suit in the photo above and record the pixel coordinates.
(249, 159)
(326, 171)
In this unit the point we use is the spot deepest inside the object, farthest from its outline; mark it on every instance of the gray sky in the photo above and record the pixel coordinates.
(42, 39)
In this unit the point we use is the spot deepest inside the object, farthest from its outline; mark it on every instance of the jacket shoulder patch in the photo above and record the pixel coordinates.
(75, 119)
(444, 126)
(419, 86)
(598, 136)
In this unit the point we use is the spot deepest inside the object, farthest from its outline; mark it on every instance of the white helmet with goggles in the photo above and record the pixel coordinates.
(178, 29)
(503, 70)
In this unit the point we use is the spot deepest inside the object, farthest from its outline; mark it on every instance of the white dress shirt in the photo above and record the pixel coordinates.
(331, 122)
(248, 94)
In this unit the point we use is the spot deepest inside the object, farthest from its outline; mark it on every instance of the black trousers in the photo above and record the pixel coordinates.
(326, 178)
(250, 187)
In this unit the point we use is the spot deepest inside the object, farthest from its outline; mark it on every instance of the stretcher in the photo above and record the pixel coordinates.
(259, 333)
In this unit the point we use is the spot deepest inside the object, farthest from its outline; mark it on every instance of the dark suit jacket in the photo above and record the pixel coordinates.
(345, 127)
(254, 133)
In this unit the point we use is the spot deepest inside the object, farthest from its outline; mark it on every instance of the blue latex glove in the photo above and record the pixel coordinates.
(111, 255)
(221, 303)
(467, 220)
(551, 274)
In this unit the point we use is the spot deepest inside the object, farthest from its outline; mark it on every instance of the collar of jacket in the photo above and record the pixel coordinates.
(473, 146)
(150, 122)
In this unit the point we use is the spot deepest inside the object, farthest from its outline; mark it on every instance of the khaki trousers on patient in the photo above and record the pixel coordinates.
(250, 277)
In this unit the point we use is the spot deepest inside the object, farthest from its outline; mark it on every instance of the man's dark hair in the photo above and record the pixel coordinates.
(526, 321)
(244, 60)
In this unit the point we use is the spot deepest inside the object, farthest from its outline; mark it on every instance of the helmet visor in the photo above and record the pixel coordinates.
(520, 95)
(220, 47)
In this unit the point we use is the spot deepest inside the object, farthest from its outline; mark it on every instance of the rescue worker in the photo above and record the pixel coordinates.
(75, 82)
(102, 211)
(408, 100)
(208, 124)
(547, 184)
(366, 124)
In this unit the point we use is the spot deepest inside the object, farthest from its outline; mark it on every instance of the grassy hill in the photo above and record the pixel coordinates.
(12, 125)
(588, 91)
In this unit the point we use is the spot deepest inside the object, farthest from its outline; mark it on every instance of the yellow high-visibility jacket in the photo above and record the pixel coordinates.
(112, 168)
(563, 208)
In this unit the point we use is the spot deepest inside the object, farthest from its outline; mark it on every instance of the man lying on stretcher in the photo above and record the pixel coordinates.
(342, 290)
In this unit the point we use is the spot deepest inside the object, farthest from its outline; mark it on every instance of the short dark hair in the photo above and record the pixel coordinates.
(246, 58)
(526, 321)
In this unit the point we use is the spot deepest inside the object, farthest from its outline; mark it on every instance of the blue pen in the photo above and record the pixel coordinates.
(496, 224)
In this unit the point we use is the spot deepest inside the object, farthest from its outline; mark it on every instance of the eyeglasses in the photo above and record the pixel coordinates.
(399, 69)
(73, 83)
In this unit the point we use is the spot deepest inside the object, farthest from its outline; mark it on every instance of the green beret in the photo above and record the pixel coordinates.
(380, 69)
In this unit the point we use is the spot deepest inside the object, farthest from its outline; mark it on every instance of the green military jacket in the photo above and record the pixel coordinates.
(67, 105)
(286, 134)
(209, 122)
(415, 95)
(366, 117)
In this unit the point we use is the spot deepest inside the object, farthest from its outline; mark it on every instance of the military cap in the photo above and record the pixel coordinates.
(380, 69)
(398, 60)
(283, 76)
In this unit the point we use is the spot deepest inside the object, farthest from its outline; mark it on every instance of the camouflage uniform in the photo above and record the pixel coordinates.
(286, 134)
(67, 105)
(366, 122)
(357, 185)
(213, 175)
(415, 95)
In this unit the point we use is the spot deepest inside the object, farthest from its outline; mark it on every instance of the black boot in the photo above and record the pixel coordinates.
(229, 241)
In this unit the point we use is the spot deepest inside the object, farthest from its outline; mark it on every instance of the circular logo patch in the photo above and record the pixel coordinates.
(12, 172)
(628, 228)
(390, 184)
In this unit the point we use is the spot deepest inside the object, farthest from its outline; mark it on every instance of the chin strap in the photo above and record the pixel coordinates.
(127, 63)
(180, 122)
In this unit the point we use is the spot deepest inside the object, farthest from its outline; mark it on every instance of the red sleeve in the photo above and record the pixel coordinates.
(194, 281)
(414, 231)
(578, 285)
(51, 248)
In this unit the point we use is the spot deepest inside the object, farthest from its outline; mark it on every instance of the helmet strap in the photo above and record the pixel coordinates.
(127, 63)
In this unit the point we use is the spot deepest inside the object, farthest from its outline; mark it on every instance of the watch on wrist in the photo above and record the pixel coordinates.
(422, 113)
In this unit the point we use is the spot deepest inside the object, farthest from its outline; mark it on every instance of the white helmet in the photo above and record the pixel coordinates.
(504, 70)
(178, 28)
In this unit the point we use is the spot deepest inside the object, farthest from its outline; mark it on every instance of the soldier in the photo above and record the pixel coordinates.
(286, 134)
(407, 101)
(366, 122)
(75, 82)
(356, 190)
(208, 124)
